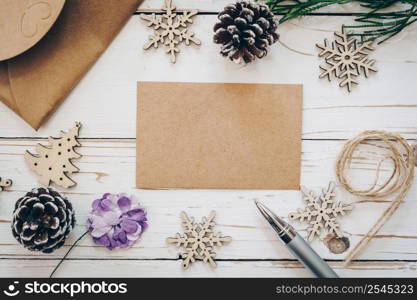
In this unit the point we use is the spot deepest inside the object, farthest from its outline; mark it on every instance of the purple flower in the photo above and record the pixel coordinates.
(116, 221)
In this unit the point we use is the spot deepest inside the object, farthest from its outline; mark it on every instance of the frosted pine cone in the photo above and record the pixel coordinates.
(245, 30)
(42, 220)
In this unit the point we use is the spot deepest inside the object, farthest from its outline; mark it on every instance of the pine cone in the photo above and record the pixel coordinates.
(245, 29)
(42, 220)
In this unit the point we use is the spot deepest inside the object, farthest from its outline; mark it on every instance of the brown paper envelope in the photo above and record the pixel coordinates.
(218, 135)
(23, 23)
(34, 83)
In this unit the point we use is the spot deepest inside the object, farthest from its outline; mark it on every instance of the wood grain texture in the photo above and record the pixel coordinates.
(108, 91)
(105, 101)
(205, 6)
(168, 268)
(109, 165)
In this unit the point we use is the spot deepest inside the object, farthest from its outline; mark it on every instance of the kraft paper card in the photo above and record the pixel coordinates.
(34, 83)
(218, 136)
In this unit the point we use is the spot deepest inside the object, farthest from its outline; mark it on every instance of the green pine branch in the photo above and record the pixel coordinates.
(374, 24)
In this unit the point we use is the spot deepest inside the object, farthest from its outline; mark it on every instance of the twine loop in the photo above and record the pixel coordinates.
(400, 180)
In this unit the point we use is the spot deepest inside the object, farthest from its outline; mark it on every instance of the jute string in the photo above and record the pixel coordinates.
(402, 156)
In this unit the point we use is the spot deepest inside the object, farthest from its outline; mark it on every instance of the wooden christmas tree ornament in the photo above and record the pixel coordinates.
(53, 162)
(345, 59)
(4, 183)
(198, 240)
(170, 29)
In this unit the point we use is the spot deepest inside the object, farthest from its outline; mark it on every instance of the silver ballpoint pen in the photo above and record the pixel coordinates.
(297, 245)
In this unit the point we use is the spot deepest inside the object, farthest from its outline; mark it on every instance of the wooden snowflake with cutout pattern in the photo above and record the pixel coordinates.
(345, 59)
(198, 240)
(170, 29)
(321, 212)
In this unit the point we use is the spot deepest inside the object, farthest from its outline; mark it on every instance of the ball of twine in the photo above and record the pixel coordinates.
(400, 180)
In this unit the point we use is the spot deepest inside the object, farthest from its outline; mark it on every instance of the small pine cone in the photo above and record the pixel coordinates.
(245, 30)
(42, 220)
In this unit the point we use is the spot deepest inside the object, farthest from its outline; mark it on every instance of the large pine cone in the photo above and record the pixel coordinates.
(245, 29)
(42, 220)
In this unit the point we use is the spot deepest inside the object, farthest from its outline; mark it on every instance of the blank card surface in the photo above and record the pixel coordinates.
(218, 135)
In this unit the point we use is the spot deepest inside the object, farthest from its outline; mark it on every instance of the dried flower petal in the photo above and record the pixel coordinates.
(124, 204)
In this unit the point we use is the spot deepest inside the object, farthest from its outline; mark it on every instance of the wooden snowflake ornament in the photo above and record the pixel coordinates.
(4, 183)
(198, 240)
(321, 212)
(170, 29)
(53, 162)
(345, 59)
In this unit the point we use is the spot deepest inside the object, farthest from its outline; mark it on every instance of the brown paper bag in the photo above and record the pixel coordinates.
(34, 83)
(217, 135)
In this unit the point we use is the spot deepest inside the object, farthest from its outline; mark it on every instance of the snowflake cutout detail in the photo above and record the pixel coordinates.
(345, 59)
(170, 29)
(198, 240)
(321, 212)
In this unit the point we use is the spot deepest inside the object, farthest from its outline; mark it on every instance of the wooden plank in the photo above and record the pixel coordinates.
(109, 166)
(151, 268)
(205, 6)
(106, 97)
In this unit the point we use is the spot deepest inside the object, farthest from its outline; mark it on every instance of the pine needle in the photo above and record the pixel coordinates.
(376, 24)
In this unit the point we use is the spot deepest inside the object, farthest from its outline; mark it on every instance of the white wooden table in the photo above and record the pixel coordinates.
(105, 102)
